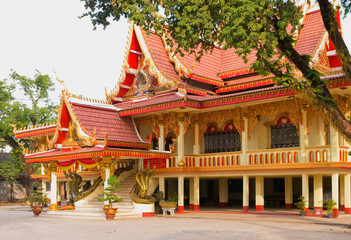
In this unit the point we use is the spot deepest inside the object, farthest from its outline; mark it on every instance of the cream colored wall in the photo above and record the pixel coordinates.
(316, 136)
(144, 132)
(188, 143)
(259, 135)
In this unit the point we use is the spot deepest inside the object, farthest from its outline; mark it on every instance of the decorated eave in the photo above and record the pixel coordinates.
(180, 101)
(35, 131)
(94, 154)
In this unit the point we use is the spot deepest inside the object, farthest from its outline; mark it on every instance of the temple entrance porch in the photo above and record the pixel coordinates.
(258, 193)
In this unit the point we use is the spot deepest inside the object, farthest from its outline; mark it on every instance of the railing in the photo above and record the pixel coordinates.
(318, 154)
(343, 153)
(229, 159)
(208, 160)
(273, 156)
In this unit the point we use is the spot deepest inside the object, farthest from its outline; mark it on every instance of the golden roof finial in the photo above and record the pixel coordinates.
(60, 81)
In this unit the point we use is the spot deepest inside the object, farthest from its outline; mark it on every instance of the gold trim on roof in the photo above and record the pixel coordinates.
(115, 91)
(179, 65)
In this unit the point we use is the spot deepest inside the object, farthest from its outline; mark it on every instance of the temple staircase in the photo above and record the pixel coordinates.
(91, 208)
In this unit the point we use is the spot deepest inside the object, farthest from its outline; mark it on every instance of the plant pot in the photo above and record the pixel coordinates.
(330, 215)
(302, 214)
(37, 210)
(110, 213)
(168, 204)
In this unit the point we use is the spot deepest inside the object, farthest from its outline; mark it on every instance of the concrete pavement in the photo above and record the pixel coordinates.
(18, 222)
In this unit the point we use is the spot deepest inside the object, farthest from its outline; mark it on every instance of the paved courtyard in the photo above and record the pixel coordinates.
(19, 223)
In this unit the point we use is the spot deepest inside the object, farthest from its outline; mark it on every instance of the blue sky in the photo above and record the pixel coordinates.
(47, 35)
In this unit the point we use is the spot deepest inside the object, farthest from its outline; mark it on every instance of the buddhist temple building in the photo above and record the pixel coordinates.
(218, 134)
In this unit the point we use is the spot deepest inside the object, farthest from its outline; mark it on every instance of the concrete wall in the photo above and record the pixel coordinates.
(19, 192)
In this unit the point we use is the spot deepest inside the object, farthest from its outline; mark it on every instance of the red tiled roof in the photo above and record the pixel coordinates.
(159, 55)
(209, 65)
(247, 79)
(310, 34)
(119, 129)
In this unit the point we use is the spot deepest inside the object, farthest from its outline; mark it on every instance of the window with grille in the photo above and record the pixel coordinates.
(225, 141)
(284, 134)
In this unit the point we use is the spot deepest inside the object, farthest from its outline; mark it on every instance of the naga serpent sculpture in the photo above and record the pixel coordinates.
(142, 186)
(77, 182)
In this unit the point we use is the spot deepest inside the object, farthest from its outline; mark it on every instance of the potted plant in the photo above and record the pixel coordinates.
(170, 202)
(110, 196)
(330, 206)
(301, 204)
(158, 196)
(37, 198)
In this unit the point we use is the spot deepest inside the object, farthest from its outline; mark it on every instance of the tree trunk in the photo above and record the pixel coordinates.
(332, 26)
(317, 93)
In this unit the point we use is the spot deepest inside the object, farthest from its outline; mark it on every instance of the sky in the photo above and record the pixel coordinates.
(48, 35)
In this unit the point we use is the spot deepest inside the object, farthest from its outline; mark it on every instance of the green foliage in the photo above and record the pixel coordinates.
(14, 112)
(37, 197)
(329, 205)
(172, 198)
(158, 195)
(110, 192)
(10, 170)
(301, 204)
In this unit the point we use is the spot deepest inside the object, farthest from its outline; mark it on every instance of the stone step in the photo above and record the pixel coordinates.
(88, 215)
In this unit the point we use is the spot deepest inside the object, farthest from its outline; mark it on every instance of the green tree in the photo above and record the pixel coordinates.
(10, 170)
(260, 26)
(13, 112)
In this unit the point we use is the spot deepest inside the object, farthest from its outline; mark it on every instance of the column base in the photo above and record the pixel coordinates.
(335, 213)
(342, 207)
(259, 208)
(289, 206)
(148, 214)
(191, 206)
(180, 209)
(223, 204)
(196, 208)
(347, 210)
(53, 207)
(245, 209)
(318, 210)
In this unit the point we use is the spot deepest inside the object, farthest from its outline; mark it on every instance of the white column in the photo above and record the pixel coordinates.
(347, 192)
(59, 191)
(181, 139)
(161, 139)
(334, 143)
(318, 194)
(196, 194)
(191, 193)
(197, 137)
(335, 192)
(223, 192)
(303, 137)
(245, 193)
(53, 190)
(305, 189)
(288, 192)
(342, 194)
(244, 141)
(259, 193)
(107, 176)
(180, 194)
(161, 185)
